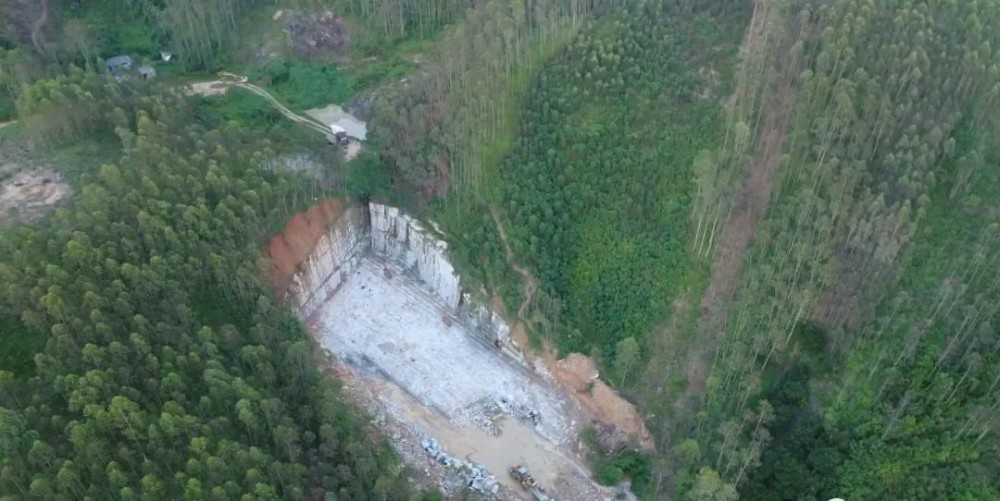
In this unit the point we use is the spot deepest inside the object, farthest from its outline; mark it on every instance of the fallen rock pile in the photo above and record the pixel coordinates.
(475, 476)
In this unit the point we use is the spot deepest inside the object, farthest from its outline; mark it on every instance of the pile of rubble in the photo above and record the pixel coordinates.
(485, 413)
(319, 36)
(522, 412)
(475, 476)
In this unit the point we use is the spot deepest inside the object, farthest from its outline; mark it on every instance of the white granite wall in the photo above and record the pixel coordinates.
(394, 236)
(400, 238)
(329, 264)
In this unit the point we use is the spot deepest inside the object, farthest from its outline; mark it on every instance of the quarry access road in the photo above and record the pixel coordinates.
(227, 80)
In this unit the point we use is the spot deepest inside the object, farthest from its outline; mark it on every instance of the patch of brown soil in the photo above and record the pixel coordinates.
(30, 194)
(288, 249)
(579, 376)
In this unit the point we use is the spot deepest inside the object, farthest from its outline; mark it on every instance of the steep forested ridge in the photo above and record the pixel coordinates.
(888, 93)
(169, 372)
(837, 349)
(596, 186)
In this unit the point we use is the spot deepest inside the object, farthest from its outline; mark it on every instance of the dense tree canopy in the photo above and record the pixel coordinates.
(859, 350)
(168, 371)
(612, 143)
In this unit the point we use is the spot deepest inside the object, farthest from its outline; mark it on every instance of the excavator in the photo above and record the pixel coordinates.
(520, 473)
(528, 483)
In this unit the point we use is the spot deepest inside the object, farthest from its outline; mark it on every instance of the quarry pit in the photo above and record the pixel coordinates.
(436, 367)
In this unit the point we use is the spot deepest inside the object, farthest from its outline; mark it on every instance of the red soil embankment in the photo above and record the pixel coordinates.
(290, 248)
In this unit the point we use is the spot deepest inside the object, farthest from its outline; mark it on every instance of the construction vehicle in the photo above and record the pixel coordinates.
(528, 483)
(520, 473)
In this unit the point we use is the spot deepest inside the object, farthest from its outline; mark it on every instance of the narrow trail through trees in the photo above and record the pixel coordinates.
(36, 27)
(747, 212)
(530, 282)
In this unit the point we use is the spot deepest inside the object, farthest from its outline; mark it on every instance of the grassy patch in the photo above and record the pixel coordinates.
(19, 347)
(238, 108)
(598, 187)
(79, 157)
(301, 85)
(7, 108)
(10, 131)
(375, 60)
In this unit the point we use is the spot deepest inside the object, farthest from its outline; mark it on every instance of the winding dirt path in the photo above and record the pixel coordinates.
(227, 80)
(530, 282)
(36, 27)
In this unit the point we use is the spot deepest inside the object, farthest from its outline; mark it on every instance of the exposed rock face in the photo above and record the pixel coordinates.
(313, 256)
(320, 36)
(398, 237)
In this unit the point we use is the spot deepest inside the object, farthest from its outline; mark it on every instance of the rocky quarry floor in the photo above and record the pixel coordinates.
(449, 381)
(456, 407)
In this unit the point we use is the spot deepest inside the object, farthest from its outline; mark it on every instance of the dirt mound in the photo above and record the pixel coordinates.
(288, 249)
(614, 416)
(28, 195)
(578, 374)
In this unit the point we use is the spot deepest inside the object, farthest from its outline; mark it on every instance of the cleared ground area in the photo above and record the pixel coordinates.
(28, 195)
(424, 369)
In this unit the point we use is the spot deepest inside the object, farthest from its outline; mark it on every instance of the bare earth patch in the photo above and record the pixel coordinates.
(614, 416)
(28, 195)
(213, 88)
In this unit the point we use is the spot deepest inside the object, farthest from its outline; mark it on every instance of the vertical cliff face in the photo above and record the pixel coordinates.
(313, 257)
(314, 254)
(400, 238)
(336, 254)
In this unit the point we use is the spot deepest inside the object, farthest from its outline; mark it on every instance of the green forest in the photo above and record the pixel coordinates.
(773, 224)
